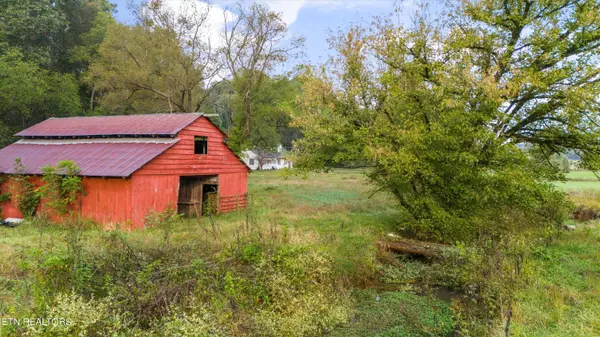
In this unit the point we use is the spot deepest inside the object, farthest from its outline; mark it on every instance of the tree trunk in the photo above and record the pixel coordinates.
(247, 103)
(92, 98)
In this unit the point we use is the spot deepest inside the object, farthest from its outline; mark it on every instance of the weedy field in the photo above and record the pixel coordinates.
(301, 261)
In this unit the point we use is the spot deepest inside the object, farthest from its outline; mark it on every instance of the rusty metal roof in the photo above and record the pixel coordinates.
(95, 157)
(111, 126)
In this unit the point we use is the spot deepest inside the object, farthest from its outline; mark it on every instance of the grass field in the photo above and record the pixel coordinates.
(580, 181)
(332, 214)
(563, 297)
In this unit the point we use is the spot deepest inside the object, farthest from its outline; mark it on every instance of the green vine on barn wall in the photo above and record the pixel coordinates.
(4, 196)
(61, 187)
(26, 196)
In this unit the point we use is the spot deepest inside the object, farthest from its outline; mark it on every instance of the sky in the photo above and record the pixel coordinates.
(313, 19)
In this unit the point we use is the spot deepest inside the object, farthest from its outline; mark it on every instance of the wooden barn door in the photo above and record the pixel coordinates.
(190, 197)
(191, 194)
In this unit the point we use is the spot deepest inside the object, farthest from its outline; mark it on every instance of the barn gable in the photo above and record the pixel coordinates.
(180, 158)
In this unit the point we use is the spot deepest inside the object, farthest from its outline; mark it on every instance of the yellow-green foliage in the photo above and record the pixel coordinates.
(256, 285)
(441, 115)
(198, 321)
(306, 298)
(86, 317)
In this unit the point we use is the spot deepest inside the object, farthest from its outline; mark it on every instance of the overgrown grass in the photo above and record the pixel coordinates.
(582, 176)
(397, 314)
(563, 298)
(576, 186)
(583, 188)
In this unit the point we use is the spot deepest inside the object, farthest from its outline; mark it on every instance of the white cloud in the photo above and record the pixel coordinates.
(291, 8)
(409, 4)
(214, 21)
(333, 5)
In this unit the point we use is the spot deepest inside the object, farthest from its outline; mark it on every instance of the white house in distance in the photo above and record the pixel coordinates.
(260, 160)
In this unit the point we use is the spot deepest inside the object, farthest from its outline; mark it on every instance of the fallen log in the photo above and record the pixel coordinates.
(401, 245)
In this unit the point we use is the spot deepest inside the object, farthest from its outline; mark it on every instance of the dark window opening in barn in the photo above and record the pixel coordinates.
(200, 145)
(251, 161)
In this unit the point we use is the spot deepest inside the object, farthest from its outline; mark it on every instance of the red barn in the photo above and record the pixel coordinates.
(134, 164)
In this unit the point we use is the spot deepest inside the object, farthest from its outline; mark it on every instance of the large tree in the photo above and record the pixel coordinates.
(35, 27)
(458, 118)
(272, 105)
(61, 36)
(165, 63)
(255, 44)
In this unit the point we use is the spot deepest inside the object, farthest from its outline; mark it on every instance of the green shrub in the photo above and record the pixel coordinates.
(84, 317)
(198, 321)
(306, 299)
(4, 196)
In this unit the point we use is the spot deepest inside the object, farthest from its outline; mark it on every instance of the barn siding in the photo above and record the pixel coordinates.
(9, 208)
(106, 200)
(233, 191)
(152, 192)
(233, 183)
